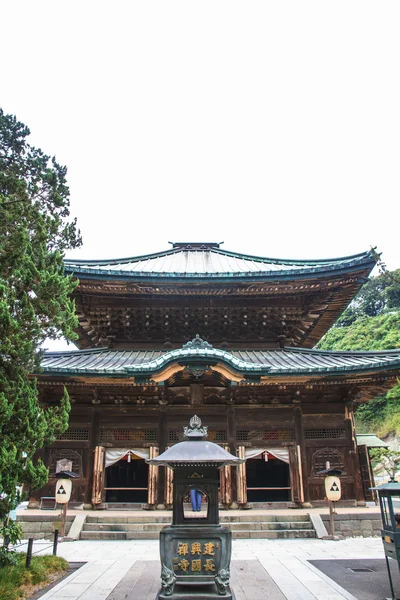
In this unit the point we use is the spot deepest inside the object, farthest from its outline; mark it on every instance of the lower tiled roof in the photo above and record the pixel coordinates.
(269, 362)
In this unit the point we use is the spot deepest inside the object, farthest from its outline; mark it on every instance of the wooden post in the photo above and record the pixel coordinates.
(331, 517)
(241, 478)
(296, 479)
(226, 484)
(301, 455)
(153, 478)
(63, 518)
(169, 475)
(94, 440)
(351, 432)
(162, 445)
(98, 476)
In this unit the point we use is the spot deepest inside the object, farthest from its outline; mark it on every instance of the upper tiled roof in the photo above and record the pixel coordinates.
(209, 260)
(286, 361)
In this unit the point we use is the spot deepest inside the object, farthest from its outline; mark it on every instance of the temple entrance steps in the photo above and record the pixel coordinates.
(148, 526)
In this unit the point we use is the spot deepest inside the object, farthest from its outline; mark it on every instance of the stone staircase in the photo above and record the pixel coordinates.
(148, 526)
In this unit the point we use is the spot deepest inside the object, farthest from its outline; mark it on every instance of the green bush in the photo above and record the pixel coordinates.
(14, 578)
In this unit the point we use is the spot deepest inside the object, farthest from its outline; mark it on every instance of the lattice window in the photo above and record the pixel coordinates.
(323, 434)
(60, 453)
(214, 435)
(217, 435)
(281, 435)
(74, 435)
(175, 436)
(321, 457)
(128, 435)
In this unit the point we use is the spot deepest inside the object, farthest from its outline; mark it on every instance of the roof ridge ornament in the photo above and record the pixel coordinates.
(195, 429)
(195, 245)
(197, 343)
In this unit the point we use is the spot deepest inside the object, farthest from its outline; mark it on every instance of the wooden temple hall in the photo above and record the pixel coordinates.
(197, 329)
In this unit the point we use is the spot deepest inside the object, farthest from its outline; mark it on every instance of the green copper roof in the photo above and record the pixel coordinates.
(286, 361)
(370, 440)
(208, 260)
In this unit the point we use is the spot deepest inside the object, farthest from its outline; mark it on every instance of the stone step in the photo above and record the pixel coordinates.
(154, 535)
(123, 526)
(152, 517)
(104, 535)
(274, 535)
(140, 518)
(247, 516)
(251, 526)
(276, 526)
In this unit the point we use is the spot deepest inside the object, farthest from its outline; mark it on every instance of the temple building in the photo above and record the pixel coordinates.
(197, 329)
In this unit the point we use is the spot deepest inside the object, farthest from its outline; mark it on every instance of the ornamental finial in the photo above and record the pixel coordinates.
(195, 429)
(197, 343)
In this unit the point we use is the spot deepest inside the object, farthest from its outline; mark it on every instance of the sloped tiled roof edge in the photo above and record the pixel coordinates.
(287, 361)
(212, 262)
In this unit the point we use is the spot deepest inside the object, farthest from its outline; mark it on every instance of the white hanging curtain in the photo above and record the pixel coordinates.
(280, 453)
(113, 455)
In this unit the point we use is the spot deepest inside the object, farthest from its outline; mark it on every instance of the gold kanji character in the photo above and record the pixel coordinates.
(209, 566)
(196, 565)
(209, 549)
(184, 564)
(183, 549)
(196, 548)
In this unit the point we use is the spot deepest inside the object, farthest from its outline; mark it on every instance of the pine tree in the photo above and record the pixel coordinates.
(35, 302)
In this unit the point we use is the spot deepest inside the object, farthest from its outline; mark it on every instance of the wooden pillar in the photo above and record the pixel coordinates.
(353, 453)
(296, 474)
(94, 441)
(98, 476)
(301, 466)
(162, 445)
(241, 480)
(168, 497)
(153, 478)
(226, 484)
(231, 428)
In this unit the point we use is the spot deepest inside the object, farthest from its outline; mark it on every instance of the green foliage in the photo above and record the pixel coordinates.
(381, 332)
(14, 578)
(376, 296)
(382, 414)
(372, 322)
(35, 301)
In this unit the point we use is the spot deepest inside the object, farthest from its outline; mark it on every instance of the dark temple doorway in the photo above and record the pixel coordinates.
(127, 481)
(267, 481)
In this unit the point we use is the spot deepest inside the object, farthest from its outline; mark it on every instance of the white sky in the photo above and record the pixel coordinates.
(271, 125)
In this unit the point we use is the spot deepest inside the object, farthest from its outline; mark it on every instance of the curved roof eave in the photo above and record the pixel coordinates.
(242, 267)
(264, 364)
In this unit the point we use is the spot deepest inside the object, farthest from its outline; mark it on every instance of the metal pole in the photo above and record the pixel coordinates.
(390, 578)
(55, 542)
(29, 553)
(64, 518)
(331, 517)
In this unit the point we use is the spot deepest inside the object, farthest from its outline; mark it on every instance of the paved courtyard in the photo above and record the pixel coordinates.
(261, 569)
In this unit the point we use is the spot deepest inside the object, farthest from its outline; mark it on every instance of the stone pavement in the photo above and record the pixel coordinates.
(261, 569)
